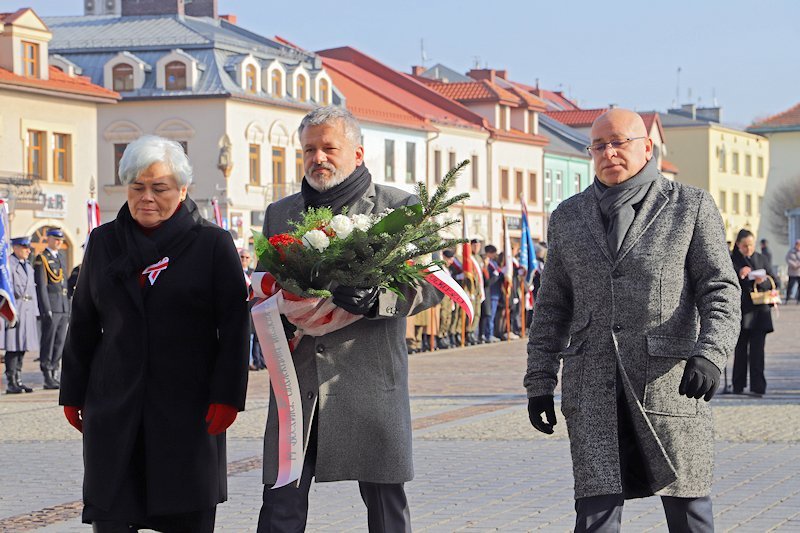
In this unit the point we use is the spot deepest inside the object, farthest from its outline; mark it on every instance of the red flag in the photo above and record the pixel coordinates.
(217, 212)
(466, 251)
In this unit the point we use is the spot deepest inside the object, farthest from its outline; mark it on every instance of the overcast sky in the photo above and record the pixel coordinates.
(744, 53)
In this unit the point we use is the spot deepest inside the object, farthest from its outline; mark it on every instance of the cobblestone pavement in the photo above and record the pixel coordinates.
(479, 465)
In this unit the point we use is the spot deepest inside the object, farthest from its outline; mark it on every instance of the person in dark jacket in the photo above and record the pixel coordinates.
(155, 366)
(756, 319)
(23, 337)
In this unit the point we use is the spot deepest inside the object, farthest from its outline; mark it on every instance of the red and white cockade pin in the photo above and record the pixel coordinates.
(155, 269)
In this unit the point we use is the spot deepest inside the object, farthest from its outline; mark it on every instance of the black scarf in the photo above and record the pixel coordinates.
(338, 196)
(617, 203)
(140, 251)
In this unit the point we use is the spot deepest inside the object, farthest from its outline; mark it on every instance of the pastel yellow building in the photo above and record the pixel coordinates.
(730, 164)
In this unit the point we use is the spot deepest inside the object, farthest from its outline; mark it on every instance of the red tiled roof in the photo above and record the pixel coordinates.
(475, 91)
(520, 136)
(368, 104)
(532, 101)
(577, 119)
(11, 17)
(790, 117)
(395, 89)
(650, 119)
(667, 166)
(556, 98)
(59, 82)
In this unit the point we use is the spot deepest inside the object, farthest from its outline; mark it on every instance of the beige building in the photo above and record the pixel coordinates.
(48, 134)
(730, 164)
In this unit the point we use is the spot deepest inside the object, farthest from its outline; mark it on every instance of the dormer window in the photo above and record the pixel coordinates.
(302, 89)
(277, 83)
(175, 74)
(123, 77)
(30, 59)
(324, 92)
(250, 79)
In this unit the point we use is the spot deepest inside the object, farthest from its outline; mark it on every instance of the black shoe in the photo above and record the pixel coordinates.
(20, 384)
(442, 344)
(737, 391)
(49, 384)
(12, 386)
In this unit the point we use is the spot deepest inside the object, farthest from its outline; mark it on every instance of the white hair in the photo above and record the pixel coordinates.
(330, 114)
(150, 149)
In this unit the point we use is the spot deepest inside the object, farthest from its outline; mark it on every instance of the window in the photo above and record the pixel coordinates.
(723, 201)
(758, 203)
(411, 162)
(504, 185)
(532, 187)
(748, 204)
(61, 158)
(722, 156)
(520, 185)
(277, 83)
(475, 182)
(735, 203)
(30, 59)
(119, 149)
(299, 167)
(748, 165)
(451, 160)
(279, 173)
(437, 166)
(577, 183)
(502, 124)
(760, 166)
(559, 192)
(389, 157)
(548, 186)
(735, 163)
(255, 164)
(175, 76)
(531, 122)
(302, 93)
(324, 89)
(250, 79)
(35, 159)
(122, 75)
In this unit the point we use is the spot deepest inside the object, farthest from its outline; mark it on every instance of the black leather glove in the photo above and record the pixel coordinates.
(539, 405)
(355, 300)
(288, 327)
(700, 378)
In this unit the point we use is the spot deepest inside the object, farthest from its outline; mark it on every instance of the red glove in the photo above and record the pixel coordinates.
(73, 415)
(220, 417)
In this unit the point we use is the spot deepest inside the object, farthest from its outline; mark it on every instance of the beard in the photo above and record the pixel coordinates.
(320, 185)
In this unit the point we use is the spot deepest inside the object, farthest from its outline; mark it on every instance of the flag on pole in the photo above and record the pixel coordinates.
(93, 220)
(508, 264)
(8, 307)
(466, 250)
(527, 253)
(217, 212)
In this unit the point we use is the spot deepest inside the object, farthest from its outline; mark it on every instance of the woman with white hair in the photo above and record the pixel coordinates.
(155, 364)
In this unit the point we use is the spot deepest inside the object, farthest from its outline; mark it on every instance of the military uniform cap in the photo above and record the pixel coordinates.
(21, 241)
(55, 232)
(448, 253)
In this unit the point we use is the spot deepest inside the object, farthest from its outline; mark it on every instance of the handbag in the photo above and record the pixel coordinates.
(771, 296)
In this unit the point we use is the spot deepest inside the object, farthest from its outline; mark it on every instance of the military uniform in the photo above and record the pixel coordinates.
(51, 288)
(473, 284)
(23, 336)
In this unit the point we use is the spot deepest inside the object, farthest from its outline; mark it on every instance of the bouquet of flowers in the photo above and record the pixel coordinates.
(359, 250)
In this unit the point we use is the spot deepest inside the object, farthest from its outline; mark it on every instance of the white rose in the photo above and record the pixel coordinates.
(411, 247)
(342, 226)
(316, 239)
(362, 222)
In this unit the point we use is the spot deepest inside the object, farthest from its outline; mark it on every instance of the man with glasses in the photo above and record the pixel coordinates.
(640, 302)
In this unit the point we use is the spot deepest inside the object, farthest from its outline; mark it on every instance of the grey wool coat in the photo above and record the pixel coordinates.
(356, 378)
(670, 294)
(24, 337)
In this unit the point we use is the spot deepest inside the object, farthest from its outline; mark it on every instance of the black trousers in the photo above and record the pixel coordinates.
(285, 510)
(750, 351)
(54, 333)
(793, 281)
(603, 514)
(195, 522)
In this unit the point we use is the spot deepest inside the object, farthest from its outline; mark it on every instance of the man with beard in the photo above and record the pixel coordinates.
(640, 302)
(354, 381)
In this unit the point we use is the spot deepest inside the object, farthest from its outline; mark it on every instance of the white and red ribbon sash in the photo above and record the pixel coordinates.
(155, 269)
(444, 282)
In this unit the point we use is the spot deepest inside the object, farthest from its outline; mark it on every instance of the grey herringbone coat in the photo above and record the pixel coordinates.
(670, 294)
(357, 377)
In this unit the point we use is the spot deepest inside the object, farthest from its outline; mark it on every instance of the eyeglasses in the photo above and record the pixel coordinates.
(600, 148)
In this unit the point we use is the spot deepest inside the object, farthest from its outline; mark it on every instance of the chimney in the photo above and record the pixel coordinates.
(482, 74)
(201, 8)
(690, 110)
(230, 18)
(502, 74)
(417, 70)
(714, 114)
(134, 8)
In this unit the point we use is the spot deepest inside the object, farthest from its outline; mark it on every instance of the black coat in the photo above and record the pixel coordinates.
(152, 358)
(754, 317)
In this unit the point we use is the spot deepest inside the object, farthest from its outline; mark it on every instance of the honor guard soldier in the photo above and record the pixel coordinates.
(51, 288)
(23, 337)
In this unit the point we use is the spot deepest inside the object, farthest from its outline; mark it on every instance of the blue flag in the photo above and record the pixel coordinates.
(527, 252)
(8, 307)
